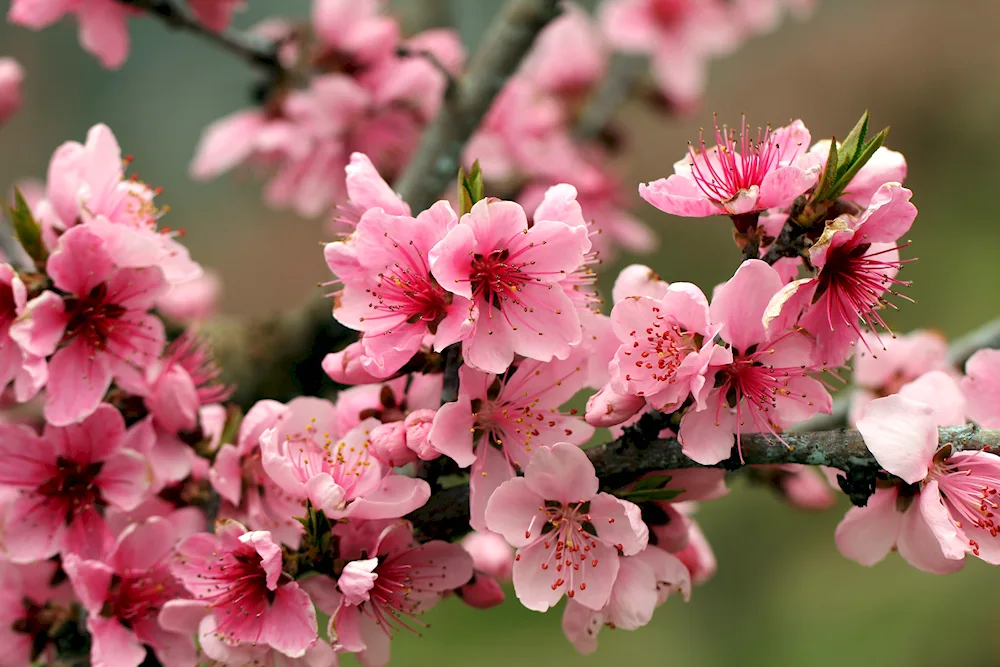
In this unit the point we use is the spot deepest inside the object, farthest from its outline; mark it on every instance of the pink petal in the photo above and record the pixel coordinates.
(563, 473)
(396, 496)
(739, 305)
(490, 348)
(41, 326)
(367, 189)
(866, 534)
(619, 522)
(226, 474)
(79, 377)
(113, 644)
(91, 581)
(124, 479)
(940, 391)
(638, 280)
(781, 186)
(26, 461)
(268, 550)
(901, 435)
(449, 260)
(511, 510)
(952, 543)
(357, 579)
(678, 194)
(38, 14)
(634, 595)
(290, 625)
(490, 470)
(919, 545)
(143, 545)
(981, 386)
(560, 203)
(707, 437)
(34, 529)
(581, 626)
(183, 616)
(889, 216)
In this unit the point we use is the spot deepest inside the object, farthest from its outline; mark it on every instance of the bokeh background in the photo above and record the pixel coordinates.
(783, 595)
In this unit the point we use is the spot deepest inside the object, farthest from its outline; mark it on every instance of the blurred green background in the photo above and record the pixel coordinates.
(783, 595)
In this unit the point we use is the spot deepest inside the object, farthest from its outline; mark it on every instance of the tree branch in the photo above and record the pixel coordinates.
(623, 72)
(255, 51)
(446, 515)
(507, 41)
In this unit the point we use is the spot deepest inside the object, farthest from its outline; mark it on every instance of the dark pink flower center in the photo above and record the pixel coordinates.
(735, 164)
(969, 487)
(669, 12)
(658, 351)
(74, 484)
(240, 590)
(498, 277)
(391, 603)
(92, 316)
(569, 537)
(8, 308)
(140, 595)
(855, 282)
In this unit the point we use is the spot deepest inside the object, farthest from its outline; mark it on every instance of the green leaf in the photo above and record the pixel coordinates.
(829, 172)
(651, 482)
(27, 229)
(234, 417)
(854, 141)
(470, 188)
(650, 495)
(860, 160)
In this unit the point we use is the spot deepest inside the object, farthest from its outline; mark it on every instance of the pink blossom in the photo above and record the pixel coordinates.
(306, 456)
(389, 580)
(482, 592)
(762, 382)
(192, 301)
(670, 525)
(609, 408)
(87, 184)
(239, 574)
(394, 300)
(802, 486)
(355, 30)
(554, 513)
(103, 25)
(644, 582)
(248, 492)
(64, 477)
(497, 423)
(27, 371)
(665, 346)
(215, 14)
(510, 273)
(742, 175)
(857, 259)
(569, 55)
(943, 510)
(490, 554)
(698, 556)
(11, 79)
(98, 331)
(28, 600)
(345, 366)
(881, 367)
(981, 386)
(134, 582)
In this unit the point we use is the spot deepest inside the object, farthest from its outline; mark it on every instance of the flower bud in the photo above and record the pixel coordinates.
(490, 554)
(807, 489)
(482, 592)
(345, 366)
(418, 425)
(173, 401)
(608, 408)
(11, 77)
(388, 444)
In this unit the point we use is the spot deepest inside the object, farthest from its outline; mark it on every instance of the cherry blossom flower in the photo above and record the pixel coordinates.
(238, 573)
(943, 508)
(389, 580)
(510, 273)
(762, 383)
(568, 536)
(490, 554)
(87, 184)
(306, 456)
(568, 56)
(609, 408)
(981, 387)
(215, 14)
(64, 477)
(11, 80)
(30, 599)
(94, 333)
(134, 582)
(698, 556)
(355, 30)
(644, 582)
(665, 346)
(881, 367)
(103, 24)
(857, 259)
(27, 371)
(498, 422)
(741, 175)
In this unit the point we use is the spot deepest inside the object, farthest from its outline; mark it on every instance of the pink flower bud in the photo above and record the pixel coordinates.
(173, 401)
(608, 408)
(482, 592)
(345, 366)
(674, 534)
(192, 301)
(490, 554)
(11, 77)
(418, 425)
(807, 489)
(388, 443)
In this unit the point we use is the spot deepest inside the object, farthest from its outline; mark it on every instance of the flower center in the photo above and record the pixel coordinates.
(569, 537)
(735, 164)
(240, 589)
(970, 488)
(92, 317)
(658, 351)
(74, 485)
(668, 12)
(141, 595)
(495, 278)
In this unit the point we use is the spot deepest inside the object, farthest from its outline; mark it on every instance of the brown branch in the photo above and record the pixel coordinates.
(624, 71)
(621, 461)
(257, 52)
(507, 41)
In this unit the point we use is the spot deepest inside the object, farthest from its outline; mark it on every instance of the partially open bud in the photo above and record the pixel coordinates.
(418, 424)
(490, 554)
(345, 366)
(482, 592)
(388, 443)
(638, 280)
(11, 77)
(807, 489)
(609, 408)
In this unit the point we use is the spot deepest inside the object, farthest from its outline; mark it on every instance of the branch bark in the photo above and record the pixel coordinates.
(624, 71)
(257, 52)
(507, 41)
(446, 515)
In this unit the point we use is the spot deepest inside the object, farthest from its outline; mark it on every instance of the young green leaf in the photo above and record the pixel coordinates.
(854, 141)
(650, 495)
(27, 229)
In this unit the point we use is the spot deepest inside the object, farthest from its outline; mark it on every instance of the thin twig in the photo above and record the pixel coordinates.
(507, 42)
(623, 72)
(621, 461)
(255, 51)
